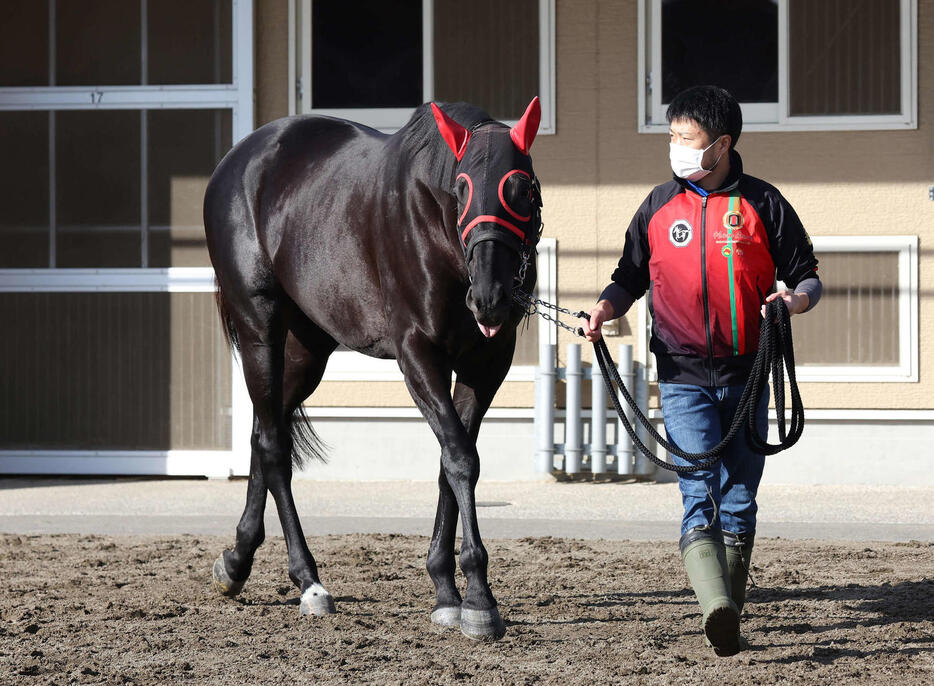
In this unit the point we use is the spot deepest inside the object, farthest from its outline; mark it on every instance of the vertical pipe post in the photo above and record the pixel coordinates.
(641, 465)
(624, 447)
(545, 409)
(573, 431)
(597, 421)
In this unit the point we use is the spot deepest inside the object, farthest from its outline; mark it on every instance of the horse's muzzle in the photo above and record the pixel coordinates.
(490, 306)
(492, 259)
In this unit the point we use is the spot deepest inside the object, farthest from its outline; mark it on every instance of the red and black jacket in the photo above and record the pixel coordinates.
(708, 263)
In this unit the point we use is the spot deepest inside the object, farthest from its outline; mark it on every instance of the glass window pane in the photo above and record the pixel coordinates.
(97, 43)
(856, 322)
(97, 188)
(24, 43)
(189, 41)
(24, 189)
(844, 58)
(502, 77)
(366, 53)
(184, 147)
(743, 58)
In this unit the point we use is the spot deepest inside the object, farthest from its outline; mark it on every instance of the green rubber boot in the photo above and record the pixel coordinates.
(705, 562)
(738, 558)
(738, 561)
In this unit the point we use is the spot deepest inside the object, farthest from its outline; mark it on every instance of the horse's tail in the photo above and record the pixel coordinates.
(306, 443)
(230, 333)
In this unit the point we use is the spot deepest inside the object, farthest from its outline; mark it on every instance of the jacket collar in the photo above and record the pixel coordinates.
(729, 183)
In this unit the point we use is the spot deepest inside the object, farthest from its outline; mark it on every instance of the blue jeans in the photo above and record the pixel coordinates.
(696, 419)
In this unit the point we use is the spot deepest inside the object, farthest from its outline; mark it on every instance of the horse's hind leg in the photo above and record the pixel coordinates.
(303, 371)
(232, 568)
(262, 334)
(306, 356)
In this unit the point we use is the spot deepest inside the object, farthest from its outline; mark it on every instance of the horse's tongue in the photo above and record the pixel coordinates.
(489, 331)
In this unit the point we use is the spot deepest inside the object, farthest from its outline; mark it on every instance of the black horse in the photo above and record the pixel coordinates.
(407, 246)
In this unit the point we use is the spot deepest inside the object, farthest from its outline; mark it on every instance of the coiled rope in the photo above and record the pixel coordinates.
(775, 355)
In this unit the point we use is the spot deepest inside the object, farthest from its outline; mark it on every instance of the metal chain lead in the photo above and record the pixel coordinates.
(533, 306)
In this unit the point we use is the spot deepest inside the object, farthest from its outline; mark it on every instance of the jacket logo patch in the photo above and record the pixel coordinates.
(680, 233)
(733, 220)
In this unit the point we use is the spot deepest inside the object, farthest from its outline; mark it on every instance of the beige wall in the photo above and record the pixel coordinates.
(272, 60)
(597, 169)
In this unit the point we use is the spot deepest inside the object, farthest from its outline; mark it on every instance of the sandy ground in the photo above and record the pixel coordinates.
(141, 610)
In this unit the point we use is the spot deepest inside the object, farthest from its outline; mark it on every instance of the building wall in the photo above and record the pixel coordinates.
(271, 27)
(597, 169)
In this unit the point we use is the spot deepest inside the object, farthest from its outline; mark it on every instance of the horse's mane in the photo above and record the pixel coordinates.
(420, 138)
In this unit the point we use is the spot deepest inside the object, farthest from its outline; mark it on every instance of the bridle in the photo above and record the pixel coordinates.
(521, 235)
(526, 247)
(536, 227)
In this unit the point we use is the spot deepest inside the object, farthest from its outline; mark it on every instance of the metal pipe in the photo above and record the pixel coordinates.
(573, 433)
(641, 464)
(597, 421)
(545, 409)
(624, 448)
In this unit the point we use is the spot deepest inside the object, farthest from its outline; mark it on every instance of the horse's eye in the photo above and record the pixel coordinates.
(518, 192)
(462, 190)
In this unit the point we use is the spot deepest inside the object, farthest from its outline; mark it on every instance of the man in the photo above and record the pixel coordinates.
(707, 246)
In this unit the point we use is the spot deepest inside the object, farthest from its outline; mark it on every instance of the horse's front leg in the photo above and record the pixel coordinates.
(472, 399)
(428, 380)
(440, 564)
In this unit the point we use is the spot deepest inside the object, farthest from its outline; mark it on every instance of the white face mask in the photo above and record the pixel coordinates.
(686, 162)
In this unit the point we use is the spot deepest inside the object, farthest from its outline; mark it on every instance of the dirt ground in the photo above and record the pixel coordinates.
(140, 610)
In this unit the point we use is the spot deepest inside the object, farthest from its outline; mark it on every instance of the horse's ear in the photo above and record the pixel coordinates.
(455, 135)
(523, 133)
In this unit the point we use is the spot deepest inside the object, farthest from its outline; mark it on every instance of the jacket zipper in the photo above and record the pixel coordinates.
(703, 257)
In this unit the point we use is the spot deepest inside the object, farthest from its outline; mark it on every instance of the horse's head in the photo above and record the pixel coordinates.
(498, 208)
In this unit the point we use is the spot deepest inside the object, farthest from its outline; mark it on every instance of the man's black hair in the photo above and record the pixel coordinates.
(712, 107)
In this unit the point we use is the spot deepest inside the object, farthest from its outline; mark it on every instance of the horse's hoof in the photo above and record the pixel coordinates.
(317, 601)
(482, 625)
(222, 581)
(446, 616)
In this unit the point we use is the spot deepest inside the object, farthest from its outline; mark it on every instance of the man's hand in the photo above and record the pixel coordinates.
(795, 302)
(601, 312)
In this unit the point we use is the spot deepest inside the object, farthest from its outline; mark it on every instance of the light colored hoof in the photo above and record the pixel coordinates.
(223, 584)
(446, 616)
(317, 601)
(482, 625)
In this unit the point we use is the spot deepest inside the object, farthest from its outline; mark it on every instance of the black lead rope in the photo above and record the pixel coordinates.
(775, 351)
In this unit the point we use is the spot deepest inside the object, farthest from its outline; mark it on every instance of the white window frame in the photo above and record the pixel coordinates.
(346, 365)
(776, 116)
(391, 119)
(906, 370)
(237, 96)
